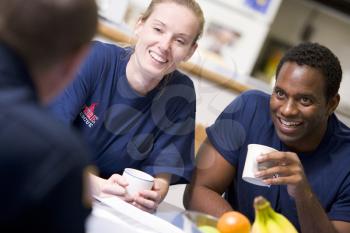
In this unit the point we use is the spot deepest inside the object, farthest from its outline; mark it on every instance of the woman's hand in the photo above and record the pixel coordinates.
(148, 200)
(113, 186)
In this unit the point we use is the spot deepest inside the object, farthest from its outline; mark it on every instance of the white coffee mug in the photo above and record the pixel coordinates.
(138, 181)
(251, 165)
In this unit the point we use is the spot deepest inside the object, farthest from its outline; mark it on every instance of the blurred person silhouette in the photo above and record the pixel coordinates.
(42, 163)
(310, 178)
(134, 108)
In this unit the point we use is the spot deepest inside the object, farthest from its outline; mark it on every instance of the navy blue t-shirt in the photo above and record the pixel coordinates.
(247, 120)
(154, 133)
(42, 163)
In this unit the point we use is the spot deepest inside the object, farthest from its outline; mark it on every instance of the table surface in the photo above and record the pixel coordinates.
(97, 223)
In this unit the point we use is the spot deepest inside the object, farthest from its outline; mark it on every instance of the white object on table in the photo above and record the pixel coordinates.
(123, 217)
(138, 181)
(251, 165)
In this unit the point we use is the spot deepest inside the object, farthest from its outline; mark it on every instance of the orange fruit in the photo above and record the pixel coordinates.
(233, 222)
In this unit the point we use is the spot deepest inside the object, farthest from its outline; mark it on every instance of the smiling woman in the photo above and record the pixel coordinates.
(143, 108)
(165, 38)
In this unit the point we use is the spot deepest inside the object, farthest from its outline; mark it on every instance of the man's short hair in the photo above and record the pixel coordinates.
(319, 57)
(44, 31)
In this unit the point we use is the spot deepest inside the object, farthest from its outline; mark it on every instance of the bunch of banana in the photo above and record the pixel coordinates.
(269, 221)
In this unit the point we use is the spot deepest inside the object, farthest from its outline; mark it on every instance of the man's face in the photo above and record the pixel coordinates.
(298, 106)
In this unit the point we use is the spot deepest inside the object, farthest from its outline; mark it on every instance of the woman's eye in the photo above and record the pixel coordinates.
(157, 29)
(180, 42)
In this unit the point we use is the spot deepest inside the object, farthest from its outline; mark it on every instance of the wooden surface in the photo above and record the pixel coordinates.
(200, 136)
(191, 68)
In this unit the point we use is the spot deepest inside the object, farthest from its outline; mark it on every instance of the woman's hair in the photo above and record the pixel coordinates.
(190, 4)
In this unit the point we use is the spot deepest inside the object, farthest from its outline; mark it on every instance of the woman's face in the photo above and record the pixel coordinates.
(165, 39)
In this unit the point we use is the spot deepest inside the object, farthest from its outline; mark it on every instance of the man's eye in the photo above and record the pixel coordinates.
(279, 93)
(305, 101)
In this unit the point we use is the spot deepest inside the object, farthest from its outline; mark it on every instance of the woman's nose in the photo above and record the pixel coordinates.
(165, 44)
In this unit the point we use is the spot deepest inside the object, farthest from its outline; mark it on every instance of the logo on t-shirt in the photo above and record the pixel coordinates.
(88, 115)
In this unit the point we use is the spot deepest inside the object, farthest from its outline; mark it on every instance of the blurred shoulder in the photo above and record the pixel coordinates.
(99, 48)
(249, 103)
(178, 77)
(34, 131)
(255, 94)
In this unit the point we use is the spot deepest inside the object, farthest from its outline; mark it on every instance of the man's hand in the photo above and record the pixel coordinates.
(287, 170)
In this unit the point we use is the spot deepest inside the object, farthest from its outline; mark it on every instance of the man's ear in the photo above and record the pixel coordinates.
(66, 70)
(73, 61)
(53, 80)
(191, 51)
(333, 103)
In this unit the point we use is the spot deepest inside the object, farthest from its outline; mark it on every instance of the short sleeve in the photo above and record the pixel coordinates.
(68, 104)
(340, 210)
(242, 121)
(228, 134)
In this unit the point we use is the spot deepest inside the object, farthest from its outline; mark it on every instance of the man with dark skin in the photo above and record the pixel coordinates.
(312, 188)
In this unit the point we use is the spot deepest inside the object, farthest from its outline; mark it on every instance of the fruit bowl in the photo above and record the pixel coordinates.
(200, 219)
(203, 222)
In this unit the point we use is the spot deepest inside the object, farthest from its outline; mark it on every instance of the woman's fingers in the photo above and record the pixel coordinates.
(148, 200)
(116, 186)
(118, 179)
(113, 189)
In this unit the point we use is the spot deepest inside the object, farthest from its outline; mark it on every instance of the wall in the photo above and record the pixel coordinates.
(252, 26)
(211, 100)
(330, 29)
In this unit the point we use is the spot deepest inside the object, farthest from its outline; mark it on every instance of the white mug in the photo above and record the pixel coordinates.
(138, 181)
(251, 165)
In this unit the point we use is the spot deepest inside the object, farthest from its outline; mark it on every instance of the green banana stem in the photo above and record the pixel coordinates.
(262, 207)
(261, 217)
(264, 212)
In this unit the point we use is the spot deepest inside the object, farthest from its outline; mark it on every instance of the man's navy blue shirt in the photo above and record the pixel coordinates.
(247, 120)
(41, 161)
